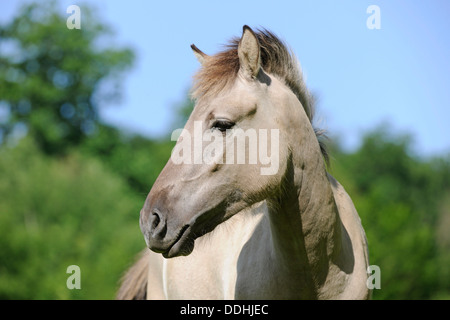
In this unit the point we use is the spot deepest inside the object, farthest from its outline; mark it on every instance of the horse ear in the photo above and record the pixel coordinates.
(199, 54)
(249, 53)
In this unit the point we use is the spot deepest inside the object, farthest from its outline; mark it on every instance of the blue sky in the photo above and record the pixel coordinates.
(398, 75)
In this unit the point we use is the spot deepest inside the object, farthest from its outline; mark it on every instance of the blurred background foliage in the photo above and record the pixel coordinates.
(71, 186)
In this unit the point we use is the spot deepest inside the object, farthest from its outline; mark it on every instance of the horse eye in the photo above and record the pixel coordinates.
(222, 125)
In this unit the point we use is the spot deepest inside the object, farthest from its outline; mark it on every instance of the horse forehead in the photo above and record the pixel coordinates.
(239, 97)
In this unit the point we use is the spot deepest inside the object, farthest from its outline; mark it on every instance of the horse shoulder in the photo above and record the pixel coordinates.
(356, 240)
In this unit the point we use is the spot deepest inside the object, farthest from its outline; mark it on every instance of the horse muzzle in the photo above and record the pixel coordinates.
(160, 238)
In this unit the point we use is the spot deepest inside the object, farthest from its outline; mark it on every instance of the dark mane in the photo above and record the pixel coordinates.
(220, 70)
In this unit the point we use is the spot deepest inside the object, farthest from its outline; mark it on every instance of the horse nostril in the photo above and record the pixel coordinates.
(155, 220)
(158, 226)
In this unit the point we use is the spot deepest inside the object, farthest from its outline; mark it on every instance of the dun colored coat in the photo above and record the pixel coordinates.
(220, 229)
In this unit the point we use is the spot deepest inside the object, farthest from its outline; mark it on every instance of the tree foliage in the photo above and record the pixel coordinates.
(52, 77)
(57, 212)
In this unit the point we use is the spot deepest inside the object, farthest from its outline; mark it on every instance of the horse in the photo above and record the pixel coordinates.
(226, 224)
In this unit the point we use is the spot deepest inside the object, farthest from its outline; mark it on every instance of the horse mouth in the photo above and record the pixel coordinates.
(199, 225)
(183, 244)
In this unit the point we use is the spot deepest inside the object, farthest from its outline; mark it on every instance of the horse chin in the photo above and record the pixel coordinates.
(201, 224)
(183, 244)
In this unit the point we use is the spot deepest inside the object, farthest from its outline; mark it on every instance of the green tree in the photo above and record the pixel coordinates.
(52, 77)
(62, 211)
(137, 159)
(59, 204)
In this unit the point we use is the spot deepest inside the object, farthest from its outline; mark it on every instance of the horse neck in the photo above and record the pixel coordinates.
(304, 223)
